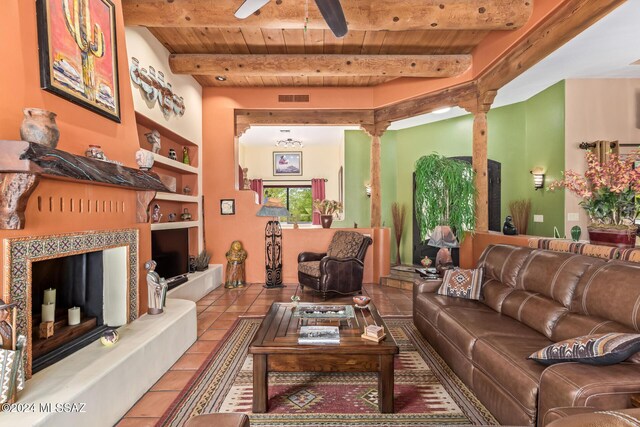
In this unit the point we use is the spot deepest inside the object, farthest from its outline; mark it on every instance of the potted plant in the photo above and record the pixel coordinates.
(202, 261)
(445, 195)
(327, 208)
(445, 203)
(608, 191)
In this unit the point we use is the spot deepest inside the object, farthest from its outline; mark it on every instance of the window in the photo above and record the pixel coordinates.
(296, 198)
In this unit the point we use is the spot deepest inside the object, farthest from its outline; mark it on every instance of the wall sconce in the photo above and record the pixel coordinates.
(538, 177)
(367, 189)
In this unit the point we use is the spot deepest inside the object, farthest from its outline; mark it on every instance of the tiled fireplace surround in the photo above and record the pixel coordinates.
(106, 380)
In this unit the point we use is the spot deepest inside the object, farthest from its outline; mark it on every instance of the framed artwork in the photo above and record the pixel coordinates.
(287, 163)
(227, 207)
(78, 53)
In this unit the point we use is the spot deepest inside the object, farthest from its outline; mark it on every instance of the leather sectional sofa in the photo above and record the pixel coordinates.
(530, 299)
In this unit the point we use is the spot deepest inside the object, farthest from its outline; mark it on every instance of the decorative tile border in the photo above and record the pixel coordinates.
(21, 252)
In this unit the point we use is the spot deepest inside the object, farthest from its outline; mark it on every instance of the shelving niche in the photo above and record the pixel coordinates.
(186, 175)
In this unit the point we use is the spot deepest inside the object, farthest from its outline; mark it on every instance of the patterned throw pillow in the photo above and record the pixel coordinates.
(599, 349)
(462, 283)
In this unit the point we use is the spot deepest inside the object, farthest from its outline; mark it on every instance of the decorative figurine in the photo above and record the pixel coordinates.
(192, 264)
(236, 257)
(576, 232)
(426, 262)
(156, 288)
(185, 215)
(156, 215)
(109, 337)
(509, 229)
(172, 154)
(95, 152)
(153, 138)
(246, 182)
(172, 217)
(7, 325)
(144, 159)
(186, 190)
(185, 156)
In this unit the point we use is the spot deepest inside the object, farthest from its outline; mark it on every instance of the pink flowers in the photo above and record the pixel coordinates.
(607, 189)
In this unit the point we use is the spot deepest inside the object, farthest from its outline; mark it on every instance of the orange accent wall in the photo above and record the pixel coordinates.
(475, 244)
(79, 127)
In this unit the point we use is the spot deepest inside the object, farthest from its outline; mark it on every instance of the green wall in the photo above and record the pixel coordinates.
(521, 136)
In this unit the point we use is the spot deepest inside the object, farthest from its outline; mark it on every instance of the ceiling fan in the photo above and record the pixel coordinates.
(331, 11)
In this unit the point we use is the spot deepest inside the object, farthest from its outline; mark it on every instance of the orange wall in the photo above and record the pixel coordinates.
(475, 244)
(219, 181)
(20, 87)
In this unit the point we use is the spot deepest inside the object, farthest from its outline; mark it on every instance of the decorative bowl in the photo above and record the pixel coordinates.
(109, 337)
(361, 301)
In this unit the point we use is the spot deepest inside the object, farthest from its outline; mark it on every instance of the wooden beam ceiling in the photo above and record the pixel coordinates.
(320, 65)
(380, 15)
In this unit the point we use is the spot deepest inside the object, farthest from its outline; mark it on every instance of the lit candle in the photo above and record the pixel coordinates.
(48, 312)
(49, 296)
(74, 316)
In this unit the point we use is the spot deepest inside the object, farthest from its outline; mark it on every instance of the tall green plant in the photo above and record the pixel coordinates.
(445, 195)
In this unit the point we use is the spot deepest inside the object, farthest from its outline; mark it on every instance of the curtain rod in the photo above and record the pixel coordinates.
(290, 180)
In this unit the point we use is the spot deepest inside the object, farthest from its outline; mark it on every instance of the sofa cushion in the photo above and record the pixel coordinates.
(461, 283)
(599, 349)
(611, 291)
(632, 255)
(345, 244)
(431, 305)
(599, 251)
(574, 325)
(534, 310)
(311, 268)
(494, 293)
(504, 359)
(463, 326)
(502, 263)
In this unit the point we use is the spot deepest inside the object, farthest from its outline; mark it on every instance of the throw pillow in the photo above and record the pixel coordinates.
(462, 283)
(599, 349)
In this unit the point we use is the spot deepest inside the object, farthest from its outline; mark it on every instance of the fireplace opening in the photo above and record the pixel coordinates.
(74, 282)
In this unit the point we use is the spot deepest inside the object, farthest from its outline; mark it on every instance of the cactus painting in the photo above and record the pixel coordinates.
(78, 53)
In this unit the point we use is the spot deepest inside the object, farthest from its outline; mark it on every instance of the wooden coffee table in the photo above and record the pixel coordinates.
(275, 348)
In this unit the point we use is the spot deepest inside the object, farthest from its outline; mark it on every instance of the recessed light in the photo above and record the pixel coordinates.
(221, 78)
(442, 110)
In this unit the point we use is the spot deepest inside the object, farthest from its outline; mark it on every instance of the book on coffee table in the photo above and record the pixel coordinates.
(319, 335)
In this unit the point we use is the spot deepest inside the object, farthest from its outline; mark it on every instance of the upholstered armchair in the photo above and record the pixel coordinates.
(338, 270)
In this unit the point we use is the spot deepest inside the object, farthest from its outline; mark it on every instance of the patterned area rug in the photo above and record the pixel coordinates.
(426, 393)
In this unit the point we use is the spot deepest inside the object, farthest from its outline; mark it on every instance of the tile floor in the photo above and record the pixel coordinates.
(217, 311)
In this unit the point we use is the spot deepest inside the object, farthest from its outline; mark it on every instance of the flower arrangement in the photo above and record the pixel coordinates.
(327, 207)
(608, 190)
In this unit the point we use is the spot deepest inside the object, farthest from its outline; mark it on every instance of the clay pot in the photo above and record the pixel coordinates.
(326, 220)
(624, 239)
(40, 126)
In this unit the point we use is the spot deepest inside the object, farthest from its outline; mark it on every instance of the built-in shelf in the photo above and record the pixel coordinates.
(151, 124)
(173, 165)
(175, 197)
(174, 225)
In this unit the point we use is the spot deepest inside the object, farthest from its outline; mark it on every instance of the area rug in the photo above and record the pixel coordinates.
(426, 392)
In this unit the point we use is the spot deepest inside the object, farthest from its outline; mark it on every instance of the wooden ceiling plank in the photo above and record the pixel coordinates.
(391, 15)
(314, 41)
(304, 117)
(332, 44)
(274, 40)
(325, 65)
(372, 42)
(235, 40)
(270, 81)
(352, 42)
(254, 39)
(294, 41)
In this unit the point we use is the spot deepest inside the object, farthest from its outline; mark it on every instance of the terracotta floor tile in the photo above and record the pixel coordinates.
(227, 316)
(173, 381)
(222, 324)
(212, 334)
(153, 404)
(237, 308)
(189, 361)
(216, 309)
(138, 422)
(203, 346)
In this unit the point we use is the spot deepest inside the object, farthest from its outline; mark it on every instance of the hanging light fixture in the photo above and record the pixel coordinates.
(289, 143)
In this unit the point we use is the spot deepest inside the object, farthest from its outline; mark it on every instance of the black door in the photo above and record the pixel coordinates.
(421, 249)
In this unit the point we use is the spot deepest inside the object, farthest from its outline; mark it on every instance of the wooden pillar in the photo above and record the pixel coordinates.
(376, 131)
(479, 106)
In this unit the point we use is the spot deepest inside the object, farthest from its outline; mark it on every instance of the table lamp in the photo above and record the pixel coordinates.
(443, 238)
(273, 242)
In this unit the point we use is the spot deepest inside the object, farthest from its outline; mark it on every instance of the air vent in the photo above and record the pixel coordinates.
(293, 98)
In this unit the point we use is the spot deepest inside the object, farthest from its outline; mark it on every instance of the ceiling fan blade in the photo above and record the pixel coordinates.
(331, 11)
(249, 7)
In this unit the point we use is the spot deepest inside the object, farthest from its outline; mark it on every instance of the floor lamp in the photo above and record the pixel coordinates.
(273, 242)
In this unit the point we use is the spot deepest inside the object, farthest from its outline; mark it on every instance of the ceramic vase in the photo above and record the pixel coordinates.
(40, 126)
(144, 159)
(326, 220)
(576, 232)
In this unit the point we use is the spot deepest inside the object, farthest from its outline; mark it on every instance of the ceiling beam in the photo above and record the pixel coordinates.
(362, 15)
(320, 65)
(569, 20)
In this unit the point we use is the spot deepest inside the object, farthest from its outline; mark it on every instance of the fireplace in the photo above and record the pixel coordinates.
(95, 271)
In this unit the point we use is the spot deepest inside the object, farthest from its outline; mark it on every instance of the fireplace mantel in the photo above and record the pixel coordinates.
(23, 164)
